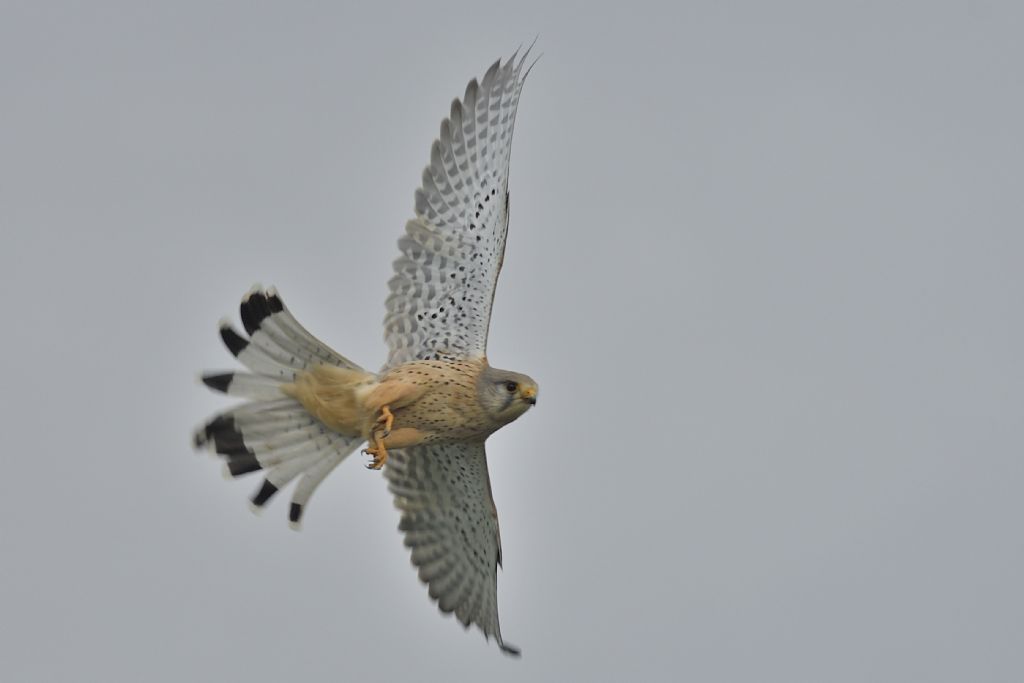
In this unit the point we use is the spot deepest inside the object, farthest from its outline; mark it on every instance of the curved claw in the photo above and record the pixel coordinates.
(377, 450)
(380, 456)
(386, 418)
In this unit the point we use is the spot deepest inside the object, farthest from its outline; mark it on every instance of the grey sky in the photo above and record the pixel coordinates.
(764, 260)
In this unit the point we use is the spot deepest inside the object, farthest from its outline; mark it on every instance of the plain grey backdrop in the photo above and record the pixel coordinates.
(764, 260)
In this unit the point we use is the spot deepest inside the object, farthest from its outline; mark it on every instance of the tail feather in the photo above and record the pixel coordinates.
(267, 454)
(270, 426)
(256, 359)
(265, 312)
(242, 464)
(293, 328)
(272, 432)
(261, 410)
(282, 474)
(275, 344)
(267, 445)
(309, 482)
(244, 385)
(262, 345)
(293, 417)
(266, 492)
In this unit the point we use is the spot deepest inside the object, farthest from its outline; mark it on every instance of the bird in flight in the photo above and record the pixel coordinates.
(426, 415)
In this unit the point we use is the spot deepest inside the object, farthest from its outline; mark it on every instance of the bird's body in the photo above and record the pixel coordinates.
(436, 400)
(430, 400)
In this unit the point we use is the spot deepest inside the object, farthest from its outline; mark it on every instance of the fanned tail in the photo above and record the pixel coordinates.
(271, 431)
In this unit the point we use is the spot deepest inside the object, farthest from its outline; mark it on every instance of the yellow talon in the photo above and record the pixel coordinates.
(380, 455)
(387, 418)
(385, 422)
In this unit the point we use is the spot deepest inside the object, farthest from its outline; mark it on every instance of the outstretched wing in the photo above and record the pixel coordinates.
(443, 287)
(451, 525)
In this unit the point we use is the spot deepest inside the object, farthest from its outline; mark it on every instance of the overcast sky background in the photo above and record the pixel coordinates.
(764, 260)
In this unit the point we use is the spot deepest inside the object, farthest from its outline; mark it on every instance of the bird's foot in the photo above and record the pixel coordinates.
(379, 453)
(387, 419)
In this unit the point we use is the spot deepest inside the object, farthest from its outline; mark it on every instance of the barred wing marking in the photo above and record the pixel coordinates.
(451, 526)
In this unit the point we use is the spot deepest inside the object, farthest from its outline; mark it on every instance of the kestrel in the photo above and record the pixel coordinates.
(427, 413)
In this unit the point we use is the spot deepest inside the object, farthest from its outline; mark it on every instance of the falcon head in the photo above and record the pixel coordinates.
(505, 395)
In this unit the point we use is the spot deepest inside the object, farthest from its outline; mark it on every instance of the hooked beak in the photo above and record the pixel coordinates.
(529, 394)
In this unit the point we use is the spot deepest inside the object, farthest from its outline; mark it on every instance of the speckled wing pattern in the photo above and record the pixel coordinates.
(451, 526)
(443, 287)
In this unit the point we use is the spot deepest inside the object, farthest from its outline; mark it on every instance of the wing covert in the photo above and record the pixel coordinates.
(441, 294)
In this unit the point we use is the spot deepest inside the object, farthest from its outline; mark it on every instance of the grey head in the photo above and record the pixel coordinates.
(505, 395)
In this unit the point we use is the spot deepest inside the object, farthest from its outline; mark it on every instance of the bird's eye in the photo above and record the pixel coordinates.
(511, 386)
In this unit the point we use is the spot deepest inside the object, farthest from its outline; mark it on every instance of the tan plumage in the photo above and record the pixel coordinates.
(431, 400)
(335, 396)
(437, 399)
